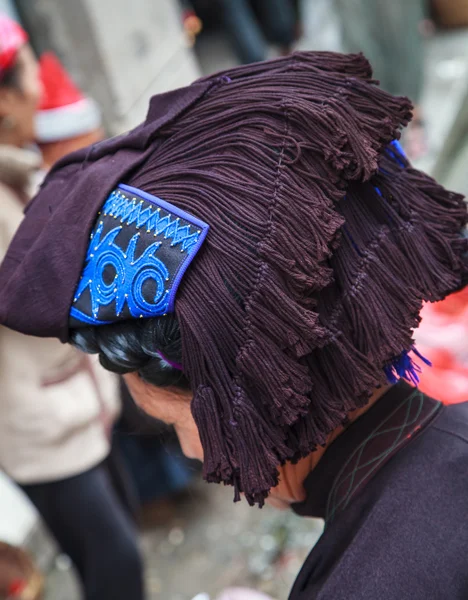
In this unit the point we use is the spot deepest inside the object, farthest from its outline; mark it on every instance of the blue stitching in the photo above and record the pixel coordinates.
(130, 276)
(81, 316)
(106, 251)
(129, 211)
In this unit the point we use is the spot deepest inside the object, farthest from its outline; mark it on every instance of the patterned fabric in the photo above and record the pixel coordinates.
(138, 253)
(405, 421)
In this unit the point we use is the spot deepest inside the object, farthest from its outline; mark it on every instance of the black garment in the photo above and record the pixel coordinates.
(393, 490)
(91, 524)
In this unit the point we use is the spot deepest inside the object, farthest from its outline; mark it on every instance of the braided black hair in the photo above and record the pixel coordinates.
(135, 346)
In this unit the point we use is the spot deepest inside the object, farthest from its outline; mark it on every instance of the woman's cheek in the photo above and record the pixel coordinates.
(189, 441)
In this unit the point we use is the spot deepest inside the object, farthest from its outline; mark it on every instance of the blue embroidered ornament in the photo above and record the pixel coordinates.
(139, 250)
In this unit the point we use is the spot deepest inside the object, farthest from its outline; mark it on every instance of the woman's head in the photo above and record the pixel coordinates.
(20, 85)
(256, 254)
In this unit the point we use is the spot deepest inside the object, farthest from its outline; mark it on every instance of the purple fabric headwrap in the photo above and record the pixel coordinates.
(323, 244)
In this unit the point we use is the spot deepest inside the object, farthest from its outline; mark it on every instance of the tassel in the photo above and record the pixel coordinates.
(404, 367)
(217, 463)
(323, 243)
(259, 446)
(279, 382)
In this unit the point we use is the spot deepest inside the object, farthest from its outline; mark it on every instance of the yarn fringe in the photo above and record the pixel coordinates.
(323, 245)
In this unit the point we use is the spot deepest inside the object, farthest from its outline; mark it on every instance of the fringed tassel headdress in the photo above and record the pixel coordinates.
(324, 244)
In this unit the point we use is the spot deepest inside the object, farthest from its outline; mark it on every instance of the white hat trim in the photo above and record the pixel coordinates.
(68, 121)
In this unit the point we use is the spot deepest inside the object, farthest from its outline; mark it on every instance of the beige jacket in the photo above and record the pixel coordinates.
(56, 404)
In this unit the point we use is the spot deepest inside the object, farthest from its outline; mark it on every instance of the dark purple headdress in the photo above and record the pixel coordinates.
(323, 245)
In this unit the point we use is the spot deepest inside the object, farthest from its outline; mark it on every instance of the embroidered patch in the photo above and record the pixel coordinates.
(139, 250)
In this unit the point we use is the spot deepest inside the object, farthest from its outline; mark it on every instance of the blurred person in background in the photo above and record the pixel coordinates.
(160, 473)
(157, 472)
(390, 35)
(56, 408)
(252, 25)
(66, 119)
(254, 257)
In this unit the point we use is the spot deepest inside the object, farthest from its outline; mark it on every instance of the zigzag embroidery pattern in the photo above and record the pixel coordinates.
(118, 205)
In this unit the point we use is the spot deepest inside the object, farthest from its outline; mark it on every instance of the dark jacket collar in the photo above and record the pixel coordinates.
(363, 448)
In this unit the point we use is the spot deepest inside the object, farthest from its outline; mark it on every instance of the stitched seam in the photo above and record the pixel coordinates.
(271, 230)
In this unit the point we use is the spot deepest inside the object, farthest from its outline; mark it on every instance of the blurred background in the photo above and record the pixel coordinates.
(116, 54)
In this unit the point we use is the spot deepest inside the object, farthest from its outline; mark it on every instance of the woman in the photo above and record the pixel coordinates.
(254, 258)
(56, 408)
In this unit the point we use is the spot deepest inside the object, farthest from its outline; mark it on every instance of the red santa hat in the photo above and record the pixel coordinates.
(64, 111)
(12, 37)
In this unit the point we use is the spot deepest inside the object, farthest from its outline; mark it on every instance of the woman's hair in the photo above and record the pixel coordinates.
(140, 346)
